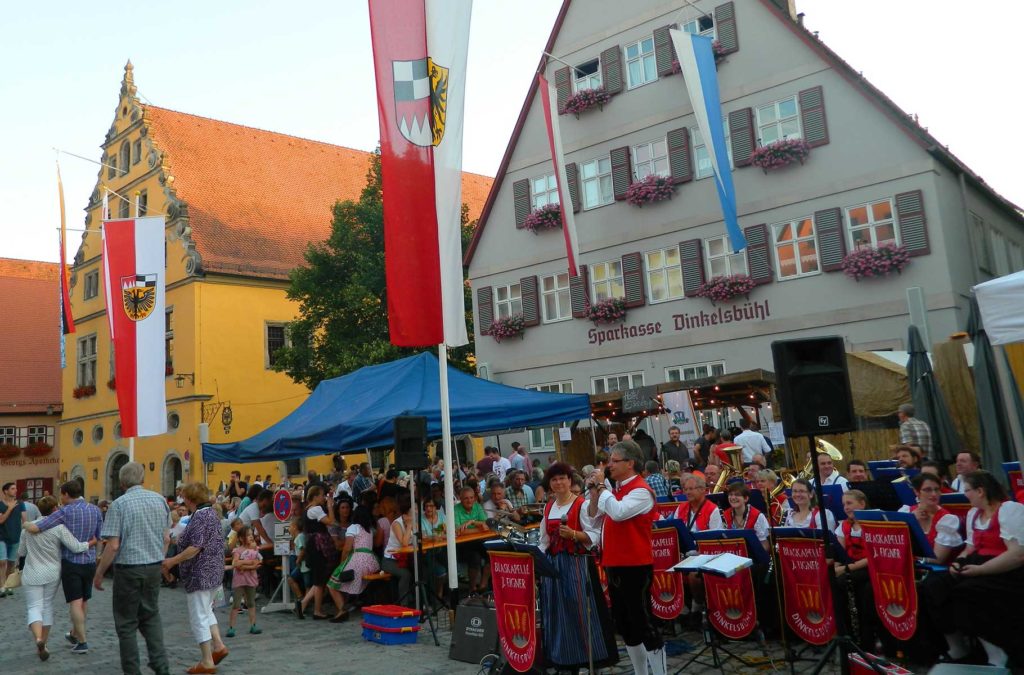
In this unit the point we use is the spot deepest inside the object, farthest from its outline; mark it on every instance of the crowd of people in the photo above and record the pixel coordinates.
(594, 524)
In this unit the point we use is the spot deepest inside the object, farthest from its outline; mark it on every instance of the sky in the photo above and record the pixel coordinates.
(304, 68)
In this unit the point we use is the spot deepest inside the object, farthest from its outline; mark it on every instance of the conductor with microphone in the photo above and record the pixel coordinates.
(626, 552)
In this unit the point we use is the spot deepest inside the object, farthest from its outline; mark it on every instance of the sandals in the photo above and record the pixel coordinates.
(41, 650)
(220, 655)
(199, 668)
(339, 618)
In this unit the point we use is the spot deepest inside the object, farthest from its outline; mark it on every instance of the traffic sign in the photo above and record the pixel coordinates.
(283, 504)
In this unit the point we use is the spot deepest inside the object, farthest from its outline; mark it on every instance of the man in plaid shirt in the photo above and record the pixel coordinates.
(84, 521)
(652, 474)
(914, 431)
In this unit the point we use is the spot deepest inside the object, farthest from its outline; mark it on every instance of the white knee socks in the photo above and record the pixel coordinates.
(638, 657)
(657, 661)
(996, 655)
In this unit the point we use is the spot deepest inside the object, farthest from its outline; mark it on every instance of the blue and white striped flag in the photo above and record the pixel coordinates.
(697, 60)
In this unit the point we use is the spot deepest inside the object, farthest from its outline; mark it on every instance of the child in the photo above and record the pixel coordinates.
(245, 561)
(299, 578)
(852, 584)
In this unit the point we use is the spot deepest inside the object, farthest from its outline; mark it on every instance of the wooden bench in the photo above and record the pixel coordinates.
(379, 590)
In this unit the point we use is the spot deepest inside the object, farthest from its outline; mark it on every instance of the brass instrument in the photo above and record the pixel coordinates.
(732, 469)
(786, 479)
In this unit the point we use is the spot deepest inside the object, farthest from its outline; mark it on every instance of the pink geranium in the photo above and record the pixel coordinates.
(508, 327)
(653, 188)
(725, 288)
(611, 310)
(780, 153)
(875, 262)
(545, 218)
(587, 99)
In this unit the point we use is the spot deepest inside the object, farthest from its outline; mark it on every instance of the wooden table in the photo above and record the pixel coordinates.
(480, 535)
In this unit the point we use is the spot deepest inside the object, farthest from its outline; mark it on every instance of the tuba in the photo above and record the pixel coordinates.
(732, 469)
(787, 479)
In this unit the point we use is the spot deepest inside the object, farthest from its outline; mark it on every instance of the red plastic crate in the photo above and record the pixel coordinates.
(391, 616)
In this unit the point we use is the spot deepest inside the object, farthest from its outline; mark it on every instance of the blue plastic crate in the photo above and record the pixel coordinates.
(391, 616)
(390, 636)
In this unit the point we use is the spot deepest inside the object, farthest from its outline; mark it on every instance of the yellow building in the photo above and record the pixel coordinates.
(241, 204)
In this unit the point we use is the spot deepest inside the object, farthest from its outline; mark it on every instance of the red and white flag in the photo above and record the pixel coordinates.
(549, 100)
(133, 271)
(420, 49)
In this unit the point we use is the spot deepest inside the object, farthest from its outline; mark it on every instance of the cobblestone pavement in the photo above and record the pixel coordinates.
(286, 646)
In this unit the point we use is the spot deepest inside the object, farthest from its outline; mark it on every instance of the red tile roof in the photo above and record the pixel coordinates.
(30, 375)
(256, 198)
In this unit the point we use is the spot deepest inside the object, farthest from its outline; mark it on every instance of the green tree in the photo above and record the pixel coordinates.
(342, 296)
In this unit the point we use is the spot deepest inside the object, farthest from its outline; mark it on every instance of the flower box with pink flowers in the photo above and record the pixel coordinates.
(653, 188)
(868, 262)
(547, 217)
(586, 99)
(611, 310)
(508, 327)
(725, 288)
(780, 153)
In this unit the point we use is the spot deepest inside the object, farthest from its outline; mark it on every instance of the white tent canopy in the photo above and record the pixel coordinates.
(1002, 308)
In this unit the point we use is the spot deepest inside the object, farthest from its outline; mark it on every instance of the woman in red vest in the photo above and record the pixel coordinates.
(742, 516)
(851, 593)
(985, 587)
(940, 526)
(575, 616)
(804, 512)
(626, 552)
(766, 482)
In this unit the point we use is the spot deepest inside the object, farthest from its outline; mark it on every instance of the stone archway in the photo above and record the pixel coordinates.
(171, 474)
(78, 473)
(116, 460)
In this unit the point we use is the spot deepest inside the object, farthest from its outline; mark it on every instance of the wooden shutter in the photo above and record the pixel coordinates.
(579, 294)
(913, 226)
(484, 309)
(664, 51)
(611, 70)
(828, 225)
(759, 255)
(530, 297)
(812, 116)
(521, 199)
(633, 279)
(680, 160)
(572, 176)
(691, 257)
(563, 86)
(622, 172)
(725, 26)
(741, 131)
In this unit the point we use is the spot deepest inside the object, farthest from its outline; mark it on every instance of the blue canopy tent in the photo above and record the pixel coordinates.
(352, 413)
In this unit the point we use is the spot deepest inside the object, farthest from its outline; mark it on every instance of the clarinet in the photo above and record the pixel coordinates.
(854, 612)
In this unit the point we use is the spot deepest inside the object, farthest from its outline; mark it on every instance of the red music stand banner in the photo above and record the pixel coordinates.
(666, 587)
(891, 567)
(731, 608)
(515, 604)
(806, 594)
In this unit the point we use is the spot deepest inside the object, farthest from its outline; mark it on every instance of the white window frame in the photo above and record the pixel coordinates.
(546, 196)
(731, 259)
(267, 325)
(38, 433)
(631, 378)
(543, 438)
(588, 81)
(658, 276)
(794, 243)
(603, 178)
(87, 360)
(508, 301)
(693, 26)
(709, 368)
(656, 162)
(645, 58)
(562, 298)
(872, 225)
(777, 123)
(92, 284)
(699, 148)
(8, 435)
(603, 288)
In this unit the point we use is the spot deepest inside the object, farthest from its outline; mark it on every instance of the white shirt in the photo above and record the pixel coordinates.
(591, 526)
(947, 529)
(517, 461)
(1011, 522)
(958, 484)
(501, 467)
(834, 478)
(343, 486)
(714, 522)
(632, 504)
(760, 526)
(42, 554)
(791, 520)
(491, 508)
(316, 513)
(752, 443)
(250, 513)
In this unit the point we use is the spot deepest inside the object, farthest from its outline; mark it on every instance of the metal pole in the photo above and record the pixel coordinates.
(415, 540)
(449, 468)
(131, 449)
(1006, 384)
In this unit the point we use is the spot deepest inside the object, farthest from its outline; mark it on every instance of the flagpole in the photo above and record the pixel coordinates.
(449, 470)
(131, 448)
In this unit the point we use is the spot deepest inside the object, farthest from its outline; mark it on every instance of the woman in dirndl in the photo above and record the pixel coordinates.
(357, 561)
(576, 618)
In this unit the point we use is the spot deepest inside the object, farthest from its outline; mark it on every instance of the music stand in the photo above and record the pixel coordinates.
(686, 542)
(918, 539)
(880, 494)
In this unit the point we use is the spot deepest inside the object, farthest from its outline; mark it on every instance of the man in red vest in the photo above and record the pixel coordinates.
(626, 555)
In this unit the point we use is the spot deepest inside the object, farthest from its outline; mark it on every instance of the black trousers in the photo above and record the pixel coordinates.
(630, 590)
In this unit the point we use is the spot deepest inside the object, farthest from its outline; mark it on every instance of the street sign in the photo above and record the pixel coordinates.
(282, 539)
(283, 504)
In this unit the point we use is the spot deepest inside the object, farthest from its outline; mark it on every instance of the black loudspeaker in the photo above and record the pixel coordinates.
(813, 386)
(410, 443)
